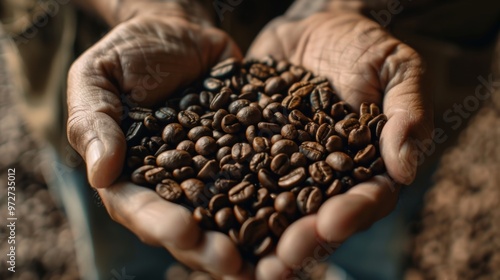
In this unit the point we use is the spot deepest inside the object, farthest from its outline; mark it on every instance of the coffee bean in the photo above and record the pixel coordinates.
(280, 164)
(240, 214)
(301, 89)
(205, 146)
(374, 110)
(217, 120)
(224, 68)
(188, 119)
(138, 151)
(321, 172)
(333, 144)
(155, 175)
(285, 146)
(197, 132)
(262, 199)
(188, 100)
(224, 185)
(173, 159)
(264, 247)
(235, 106)
(338, 111)
(271, 109)
(208, 171)
(138, 114)
(372, 125)
(230, 124)
(139, 175)
(277, 223)
(250, 133)
(221, 99)
(241, 193)
(276, 138)
(232, 171)
(359, 137)
(321, 98)
(252, 231)
(199, 161)
(183, 173)
(377, 166)
(249, 115)
(378, 129)
(344, 127)
(340, 161)
(161, 149)
(334, 189)
(291, 102)
(292, 179)
(352, 116)
(321, 117)
(298, 160)
(274, 85)
(188, 146)
(366, 155)
(234, 235)
(241, 152)
(227, 140)
(173, 134)
(213, 84)
(203, 217)
(166, 115)
(193, 189)
(267, 179)
(309, 200)
(365, 119)
(169, 190)
(135, 133)
(206, 98)
(224, 218)
(361, 173)
(149, 160)
(285, 203)
(249, 92)
(289, 131)
(312, 150)
(264, 213)
(268, 128)
(261, 144)
(298, 119)
(288, 77)
(151, 123)
(222, 152)
(260, 71)
(324, 132)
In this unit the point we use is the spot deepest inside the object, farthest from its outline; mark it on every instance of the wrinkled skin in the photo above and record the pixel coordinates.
(363, 62)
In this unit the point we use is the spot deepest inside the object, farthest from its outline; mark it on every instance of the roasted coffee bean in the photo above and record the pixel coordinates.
(352, 116)
(285, 203)
(193, 189)
(135, 133)
(340, 161)
(274, 85)
(334, 188)
(138, 114)
(291, 102)
(241, 193)
(275, 138)
(347, 182)
(212, 84)
(234, 235)
(199, 161)
(264, 247)
(206, 98)
(292, 179)
(155, 175)
(188, 119)
(338, 112)
(149, 160)
(280, 164)
(183, 173)
(365, 119)
(374, 110)
(154, 143)
(285, 146)
(344, 127)
(224, 219)
(223, 185)
(237, 81)
(188, 100)
(250, 133)
(235, 106)
(289, 131)
(227, 140)
(203, 217)
(262, 199)
(359, 137)
(206, 146)
(221, 99)
(321, 117)
(240, 214)
(288, 77)
(173, 159)
(138, 151)
(222, 152)
(324, 132)
(166, 115)
(366, 155)
(139, 175)
(321, 98)
(226, 160)
(298, 119)
(232, 171)
(277, 223)
(298, 159)
(377, 166)
(297, 70)
(249, 115)
(258, 161)
(260, 71)
(230, 124)
(173, 134)
(373, 124)
(217, 120)
(151, 123)
(188, 146)
(378, 129)
(301, 89)
(361, 174)
(307, 76)
(303, 136)
(208, 171)
(282, 66)
(309, 200)
(161, 149)
(264, 213)
(267, 180)
(169, 190)
(206, 123)
(196, 109)
(318, 80)
(224, 68)
(312, 150)
(197, 132)
(333, 144)
(264, 100)
(268, 128)
(321, 172)
(271, 109)
(261, 144)
(241, 152)
(277, 97)
(252, 231)
(249, 92)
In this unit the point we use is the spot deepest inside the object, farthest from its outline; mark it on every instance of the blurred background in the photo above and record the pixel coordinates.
(446, 225)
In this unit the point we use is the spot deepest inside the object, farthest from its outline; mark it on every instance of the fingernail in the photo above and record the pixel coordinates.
(92, 156)
(408, 162)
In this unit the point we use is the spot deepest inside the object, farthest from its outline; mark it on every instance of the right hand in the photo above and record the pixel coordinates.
(144, 60)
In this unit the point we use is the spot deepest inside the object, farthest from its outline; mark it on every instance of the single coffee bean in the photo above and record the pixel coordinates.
(205, 146)
(237, 82)
(372, 125)
(183, 173)
(149, 160)
(252, 231)
(298, 159)
(138, 151)
(227, 140)
(288, 77)
(361, 173)
(374, 109)
(135, 133)
(193, 189)
(312, 150)
(222, 152)
(139, 175)
(264, 100)
(289, 131)
(324, 132)
(366, 155)
(173, 134)
(271, 109)
(154, 143)
(219, 115)
(203, 217)
(232, 171)
(235, 106)
(321, 117)
(199, 161)
(285, 203)
(301, 89)
(173, 159)
(359, 137)
(161, 149)
(260, 71)
(138, 114)
(224, 185)
(321, 98)
(206, 98)
(298, 119)
(334, 189)
(264, 213)
(249, 92)
(224, 218)
(224, 68)
(250, 133)
(280, 164)
(344, 127)
(275, 138)
(309, 200)
(241, 193)
(188, 119)
(292, 179)
(268, 128)
(364, 108)
(169, 190)
(221, 99)
(340, 161)
(241, 152)
(338, 112)
(277, 223)
(197, 132)
(267, 179)
(333, 144)
(262, 199)
(365, 119)
(264, 247)
(208, 171)
(378, 129)
(274, 85)
(377, 166)
(261, 144)
(226, 160)
(155, 175)
(292, 102)
(285, 146)
(241, 214)
(213, 84)
(188, 100)
(352, 115)
(166, 115)
(303, 136)
(321, 172)
(234, 235)
(151, 123)
(249, 115)
(230, 124)
(297, 70)
(319, 80)
(282, 66)
(206, 123)
(188, 146)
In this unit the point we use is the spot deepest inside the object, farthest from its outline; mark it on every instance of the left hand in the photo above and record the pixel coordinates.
(365, 64)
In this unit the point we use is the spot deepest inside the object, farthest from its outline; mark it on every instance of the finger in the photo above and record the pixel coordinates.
(271, 267)
(343, 215)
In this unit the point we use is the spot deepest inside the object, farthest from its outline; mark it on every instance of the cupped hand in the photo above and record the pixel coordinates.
(364, 64)
(141, 62)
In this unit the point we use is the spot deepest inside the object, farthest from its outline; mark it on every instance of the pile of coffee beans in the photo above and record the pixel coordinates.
(254, 147)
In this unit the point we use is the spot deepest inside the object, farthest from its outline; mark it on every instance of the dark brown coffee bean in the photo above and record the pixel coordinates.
(224, 218)
(321, 117)
(173, 134)
(241, 193)
(372, 125)
(289, 131)
(309, 200)
(250, 133)
(238, 81)
(234, 235)
(321, 99)
(203, 217)
(298, 160)
(161, 149)
(364, 108)
(274, 85)
(206, 123)
(288, 77)
(206, 98)
(262, 199)
(151, 123)
(333, 144)
(285, 203)
(194, 191)
(205, 146)
(298, 119)
(359, 137)
(252, 231)
(277, 223)
(230, 124)
(222, 152)
(139, 175)
(264, 213)
(378, 129)
(135, 133)
(324, 132)
(319, 80)
(155, 175)
(221, 99)
(138, 114)
(183, 173)
(166, 115)
(267, 180)
(173, 159)
(249, 92)
(338, 112)
(264, 100)
(154, 143)
(268, 128)
(188, 146)
(297, 70)
(271, 109)
(264, 247)
(169, 190)
(232, 171)
(235, 106)
(312, 150)
(260, 71)
(138, 151)
(224, 185)
(280, 164)
(241, 214)
(352, 116)
(275, 138)
(213, 85)
(197, 132)
(188, 119)
(366, 155)
(208, 171)
(365, 119)
(199, 161)
(241, 152)
(321, 172)
(292, 179)
(225, 68)
(219, 115)
(334, 189)
(249, 115)
(377, 166)
(261, 144)
(227, 140)
(361, 174)
(188, 100)
(284, 146)
(374, 109)
(340, 161)
(344, 127)
(301, 89)
(149, 160)
(291, 102)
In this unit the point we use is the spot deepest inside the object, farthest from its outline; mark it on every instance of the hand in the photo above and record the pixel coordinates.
(364, 64)
(142, 61)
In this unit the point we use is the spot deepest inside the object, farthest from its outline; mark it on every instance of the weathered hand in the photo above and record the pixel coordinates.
(141, 62)
(364, 64)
